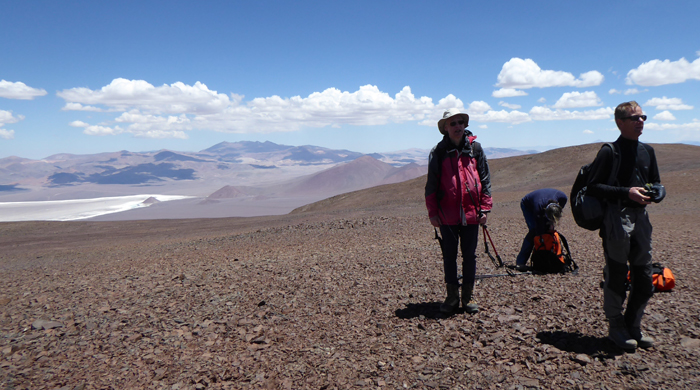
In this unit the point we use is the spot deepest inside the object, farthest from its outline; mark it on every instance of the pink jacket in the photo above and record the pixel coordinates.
(459, 184)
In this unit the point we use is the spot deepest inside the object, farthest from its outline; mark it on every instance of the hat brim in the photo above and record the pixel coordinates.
(441, 122)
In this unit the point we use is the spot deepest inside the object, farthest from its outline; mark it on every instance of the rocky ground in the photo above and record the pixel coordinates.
(332, 300)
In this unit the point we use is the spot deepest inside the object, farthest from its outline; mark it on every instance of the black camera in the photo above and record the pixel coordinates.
(655, 192)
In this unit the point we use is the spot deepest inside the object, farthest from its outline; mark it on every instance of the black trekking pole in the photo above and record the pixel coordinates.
(477, 277)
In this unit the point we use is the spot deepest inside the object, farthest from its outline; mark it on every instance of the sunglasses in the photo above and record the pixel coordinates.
(636, 118)
(453, 124)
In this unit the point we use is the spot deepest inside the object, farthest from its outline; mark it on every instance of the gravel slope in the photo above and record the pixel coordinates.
(328, 299)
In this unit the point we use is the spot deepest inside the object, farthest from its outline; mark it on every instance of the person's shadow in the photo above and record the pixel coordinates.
(595, 347)
(426, 309)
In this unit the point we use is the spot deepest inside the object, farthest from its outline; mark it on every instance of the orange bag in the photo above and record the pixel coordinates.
(662, 278)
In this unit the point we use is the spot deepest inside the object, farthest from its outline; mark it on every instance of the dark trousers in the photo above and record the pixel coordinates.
(626, 237)
(528, 244)
(465, 238)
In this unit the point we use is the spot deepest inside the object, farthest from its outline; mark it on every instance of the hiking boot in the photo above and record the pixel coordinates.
(643, 341)
(469, 306)
(521, 267)
(619, 335)
(452, 301)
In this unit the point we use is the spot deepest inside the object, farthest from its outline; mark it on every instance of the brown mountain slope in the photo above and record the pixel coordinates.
(513, 177)
(363, 172)
(347, 299)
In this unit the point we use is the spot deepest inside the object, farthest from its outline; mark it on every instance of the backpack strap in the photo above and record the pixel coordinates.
(615, 164)
(570, 261)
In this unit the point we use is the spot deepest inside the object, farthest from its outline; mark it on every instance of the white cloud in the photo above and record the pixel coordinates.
(101, 130)
(176, 98)
(5, 118)
(689, 127)
(513, 117)
(547, 114)
(483, 126)
(172, 110)
(80, 107)
(588, 132)
(614, 91)
(19, 90)
(657, 72)
(664, 116)
(525, 73)
(507, 92)
(478, 107)
(578, 99)
(664, 103)
(541, 100)
(508, 105)
(7, 134)
(79, 124)
(634, 91)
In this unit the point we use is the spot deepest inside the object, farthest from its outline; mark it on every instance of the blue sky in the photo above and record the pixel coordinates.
(369, 76)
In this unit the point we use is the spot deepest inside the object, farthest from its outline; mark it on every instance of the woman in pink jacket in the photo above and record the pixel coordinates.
(458, 198)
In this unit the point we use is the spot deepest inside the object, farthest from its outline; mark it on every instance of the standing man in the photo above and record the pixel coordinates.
(542, 210)
(626, 230)
(458, 198)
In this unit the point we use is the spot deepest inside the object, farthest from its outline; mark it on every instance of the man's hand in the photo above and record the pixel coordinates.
(482, 219)
(637, 194)
(435, 221)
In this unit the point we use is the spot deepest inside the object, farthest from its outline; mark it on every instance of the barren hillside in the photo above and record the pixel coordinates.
(343, 293)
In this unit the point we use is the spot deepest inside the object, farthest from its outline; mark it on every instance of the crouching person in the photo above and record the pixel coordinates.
(542, 210)
(458, 198)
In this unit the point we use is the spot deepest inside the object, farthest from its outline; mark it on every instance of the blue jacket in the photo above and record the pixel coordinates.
(536, 202)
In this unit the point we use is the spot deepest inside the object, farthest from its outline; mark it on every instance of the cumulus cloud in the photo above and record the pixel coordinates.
(478, 107)
(520, 73)
(664, 103)
(514, 117)
(172, 110)
(689, 128)
(633, 91)
(541, 100)
(547, 114)
(7, 134)
(614, 91)
(102, 130)
(587, 132)
(508, 92)
(578, 99)
(123, 94)
(483, 126)
(5, 118)
(657, 72)
(508, 105)
(664, 116)
(80, 107)
(79, 124)
(19, 90)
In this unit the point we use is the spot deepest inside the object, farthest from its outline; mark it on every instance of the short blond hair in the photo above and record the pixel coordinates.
(624, 110)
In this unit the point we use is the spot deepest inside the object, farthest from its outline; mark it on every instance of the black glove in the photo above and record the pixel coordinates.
(656, 192)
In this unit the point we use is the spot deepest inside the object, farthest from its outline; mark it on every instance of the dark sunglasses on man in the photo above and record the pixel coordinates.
(636, 118)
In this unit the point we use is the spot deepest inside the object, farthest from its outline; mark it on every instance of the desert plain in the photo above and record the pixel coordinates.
(341, 293)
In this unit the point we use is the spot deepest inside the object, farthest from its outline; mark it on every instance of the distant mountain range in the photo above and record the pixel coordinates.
(234, 168)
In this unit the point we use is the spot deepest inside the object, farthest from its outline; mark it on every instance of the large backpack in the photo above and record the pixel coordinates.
(551, 254)
(588, 211)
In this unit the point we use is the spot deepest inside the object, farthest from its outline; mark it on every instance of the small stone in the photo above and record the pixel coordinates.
(690, 343)
(44, 324)
(582, 359)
